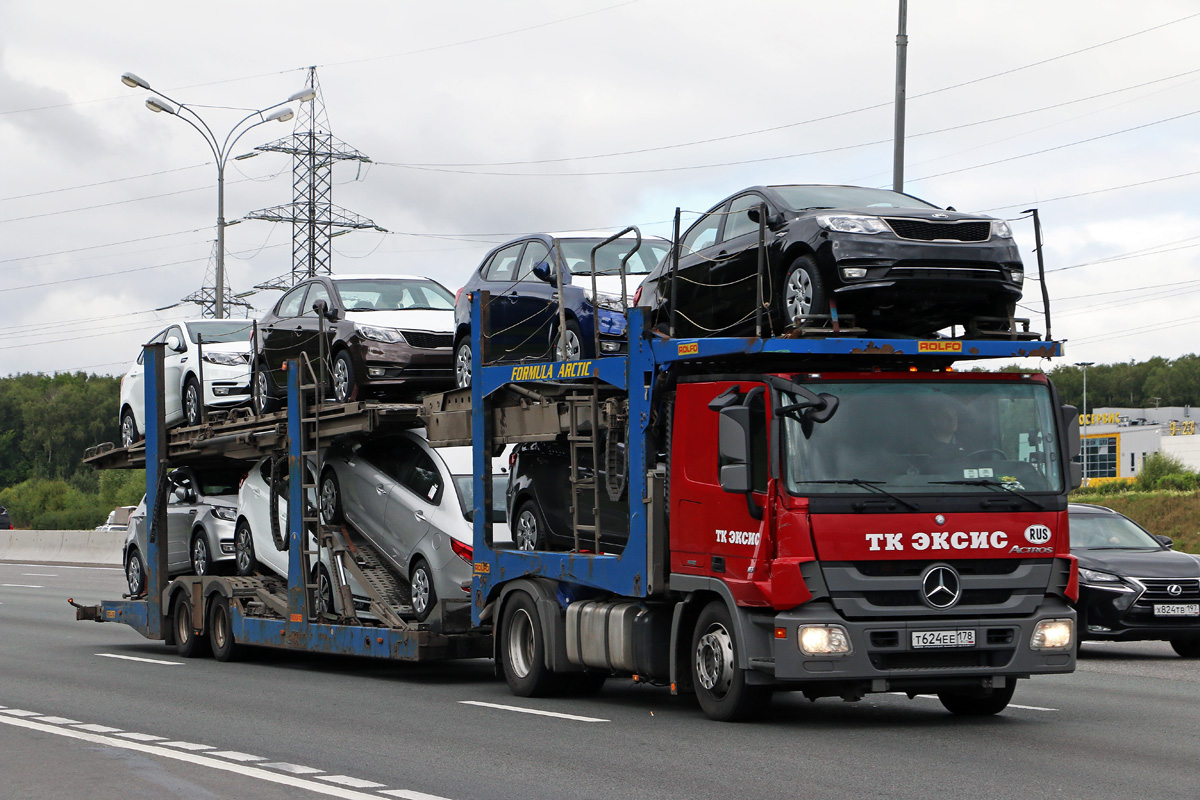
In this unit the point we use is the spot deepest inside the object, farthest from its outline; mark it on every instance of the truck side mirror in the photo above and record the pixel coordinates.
(543, 271)
(733, 448)
(1073, 444)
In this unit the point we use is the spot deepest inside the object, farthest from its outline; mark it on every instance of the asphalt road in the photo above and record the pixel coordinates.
(93, 710)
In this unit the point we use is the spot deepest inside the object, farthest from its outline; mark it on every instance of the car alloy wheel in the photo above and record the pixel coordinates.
(462, 365)
(191, 403)
(200, 554)
(799, 295)
(343, 378)
(129, 434)
(530, 527)
(570, 344)
(135, 574)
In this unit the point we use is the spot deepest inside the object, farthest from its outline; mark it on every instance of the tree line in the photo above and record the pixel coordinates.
(1135, 384)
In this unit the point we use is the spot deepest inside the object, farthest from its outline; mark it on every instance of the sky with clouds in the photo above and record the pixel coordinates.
(488, 120)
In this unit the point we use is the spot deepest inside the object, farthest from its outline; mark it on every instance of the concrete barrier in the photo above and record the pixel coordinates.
(101, 548)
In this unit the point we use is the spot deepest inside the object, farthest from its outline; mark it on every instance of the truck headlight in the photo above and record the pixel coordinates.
(824, 640)
(1053, 634)
(851, 223)
(389, 335)
(1001, 229)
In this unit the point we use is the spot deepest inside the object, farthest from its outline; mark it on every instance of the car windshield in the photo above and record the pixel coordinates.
(911, 437)
(799, 198)
(383, 294)
(1109, 532)
(466, 495)
(220, 331)
(220, 481)
(578, 256)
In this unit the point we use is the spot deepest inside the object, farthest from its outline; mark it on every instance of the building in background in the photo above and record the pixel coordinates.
(1118, 440)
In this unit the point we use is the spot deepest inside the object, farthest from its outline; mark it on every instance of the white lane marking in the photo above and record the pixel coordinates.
(142, 660)
(520, 710)
(39, 575)
(189, 746)
(21, 586)
(20, 712)
(353, 783)
(234, 755)
(1010, 705)
(410, 795)
(142, 737)
(295, 769)
(97, 728)
(58, 566)
(197, 759)
(57, 720)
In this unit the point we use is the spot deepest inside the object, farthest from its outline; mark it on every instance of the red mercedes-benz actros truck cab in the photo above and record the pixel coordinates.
(871, 531)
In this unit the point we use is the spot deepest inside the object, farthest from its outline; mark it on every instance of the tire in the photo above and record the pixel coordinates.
(264, 401)
(523, 649)
(720, 684)
(803, 292)
(129, 431)
(220, 632)
(530, 531)
(424, 596)
(978, 703)
(345, 389)
(1187, 646)
(135, 574)
(244, 559)
(574, 343)
(202, 563)
(188, 643)
(331, 499)
(193, 403)
(462, 363)
(323, 596)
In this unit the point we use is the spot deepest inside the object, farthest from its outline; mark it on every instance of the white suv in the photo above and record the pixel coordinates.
(217, 348)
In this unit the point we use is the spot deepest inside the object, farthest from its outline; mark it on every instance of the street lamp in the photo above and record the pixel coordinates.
(1084, 365)
(220, 150)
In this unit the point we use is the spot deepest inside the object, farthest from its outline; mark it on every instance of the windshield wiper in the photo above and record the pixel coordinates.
(992, 485)
(873, 486)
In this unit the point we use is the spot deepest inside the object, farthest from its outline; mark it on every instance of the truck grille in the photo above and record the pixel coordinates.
(428, 341)
(883, 589)
(925, 231)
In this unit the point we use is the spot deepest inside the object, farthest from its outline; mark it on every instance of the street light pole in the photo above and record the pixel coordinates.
(1084, 365)
(901, 89)
(220, 151)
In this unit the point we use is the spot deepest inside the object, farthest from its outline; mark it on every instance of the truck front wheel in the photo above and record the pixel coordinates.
(720, 683)
(523, 648)
(978, 702)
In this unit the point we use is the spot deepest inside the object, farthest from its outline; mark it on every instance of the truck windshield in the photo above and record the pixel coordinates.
(920, 438)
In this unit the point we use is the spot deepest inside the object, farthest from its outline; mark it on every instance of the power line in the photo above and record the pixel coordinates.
(115, 203)
(1094, 191)
(97, 246)
(103, 183)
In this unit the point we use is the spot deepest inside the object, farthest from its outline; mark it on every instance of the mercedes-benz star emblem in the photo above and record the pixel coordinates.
(941, 586)
(1174, 590)
(940, 519)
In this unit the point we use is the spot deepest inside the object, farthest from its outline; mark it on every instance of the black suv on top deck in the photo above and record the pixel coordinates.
(899, 264)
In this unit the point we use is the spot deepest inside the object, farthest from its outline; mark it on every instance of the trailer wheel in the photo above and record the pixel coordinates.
(978, 702)
(188, 643)
(523, 649)
(220, 632)
(720, 684)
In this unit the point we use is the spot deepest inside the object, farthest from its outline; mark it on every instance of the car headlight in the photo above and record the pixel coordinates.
(610, 302)
(852, 223)
(226, 359)
(1095, 576)
(224, 512)
(389, 335)
(1001, 230)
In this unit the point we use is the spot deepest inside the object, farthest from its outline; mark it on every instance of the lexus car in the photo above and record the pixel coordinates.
(201, 508)
(385, 336)
(522, 277)
(1132, 585)
(216, 351)
(892, 262)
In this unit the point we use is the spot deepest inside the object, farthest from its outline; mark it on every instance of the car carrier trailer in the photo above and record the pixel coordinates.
(744, 569)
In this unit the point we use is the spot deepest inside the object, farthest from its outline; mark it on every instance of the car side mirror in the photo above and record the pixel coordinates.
(322, 309)
(174, 345)
(1165, 541)
(772, 219)
(181, 494)
(543, 271)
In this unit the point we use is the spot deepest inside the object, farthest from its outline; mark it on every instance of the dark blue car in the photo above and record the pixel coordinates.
(523, 320)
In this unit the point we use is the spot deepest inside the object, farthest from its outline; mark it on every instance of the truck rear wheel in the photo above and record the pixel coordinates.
(978, 702)
(188, 643)
(523, 649)
(220, 632)
(720, 683)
